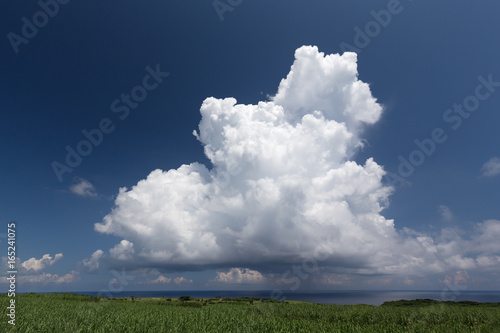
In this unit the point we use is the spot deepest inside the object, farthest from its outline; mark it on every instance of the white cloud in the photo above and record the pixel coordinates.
(282, 179)
(182, 280)
(485, 238)
(446, 213)
(459, 262)
(491, 168)
(46, 278)
(83, 188)
(488, 262)
(92, 264)
(67, 278)
(282, 182)
(239, 275)
(162, 280)
(329, 84)
(123, 250)
(39, 264)
(479, 251)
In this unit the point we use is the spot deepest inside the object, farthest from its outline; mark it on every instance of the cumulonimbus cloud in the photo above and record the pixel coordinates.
(283, 181)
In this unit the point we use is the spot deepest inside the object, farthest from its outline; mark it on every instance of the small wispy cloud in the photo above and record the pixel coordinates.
(83, 188)
(446, 213)
(491, 168)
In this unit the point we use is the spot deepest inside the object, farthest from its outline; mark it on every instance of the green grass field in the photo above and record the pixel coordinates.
(75, 313)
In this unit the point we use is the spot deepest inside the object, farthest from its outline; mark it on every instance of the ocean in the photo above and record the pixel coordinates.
(371, 297)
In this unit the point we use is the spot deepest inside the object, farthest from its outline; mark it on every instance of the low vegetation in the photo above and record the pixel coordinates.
(62, 312)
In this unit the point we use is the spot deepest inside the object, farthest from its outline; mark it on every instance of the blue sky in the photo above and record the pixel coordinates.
(418, 59)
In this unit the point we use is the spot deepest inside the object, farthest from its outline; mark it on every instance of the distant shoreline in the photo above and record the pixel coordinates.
(346, 297)
(246, 299)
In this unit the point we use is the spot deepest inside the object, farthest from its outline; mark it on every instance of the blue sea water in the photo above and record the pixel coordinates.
(324, 297)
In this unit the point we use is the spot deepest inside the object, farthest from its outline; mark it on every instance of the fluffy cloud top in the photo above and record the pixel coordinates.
(39, 264)
(329, 84)
(283, 182)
